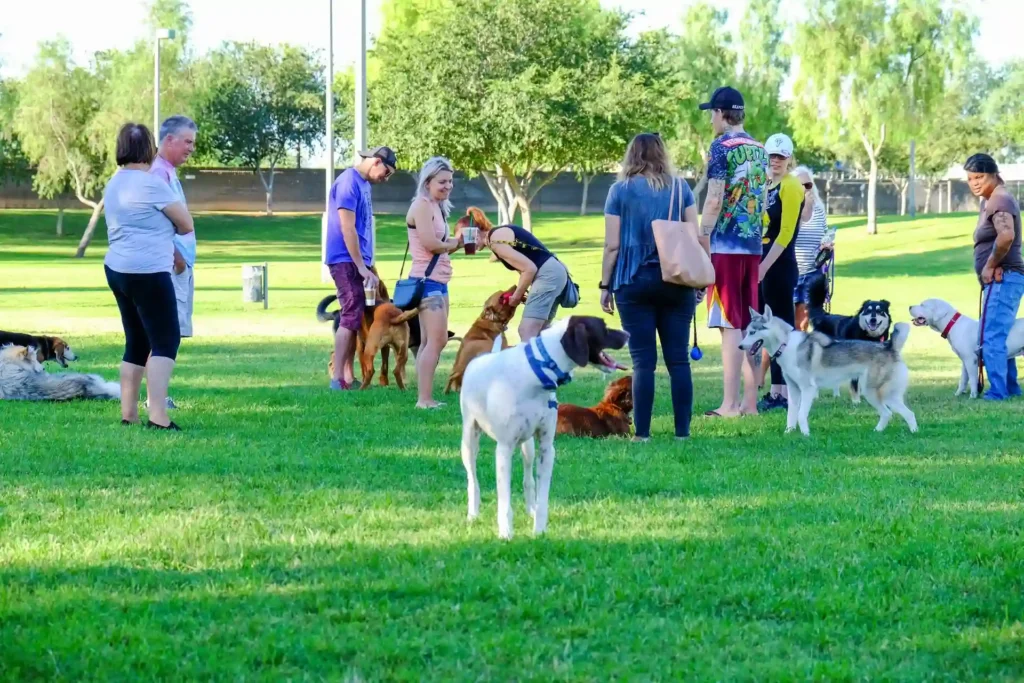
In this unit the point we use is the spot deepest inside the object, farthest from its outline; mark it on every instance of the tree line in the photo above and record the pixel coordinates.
(519, 92)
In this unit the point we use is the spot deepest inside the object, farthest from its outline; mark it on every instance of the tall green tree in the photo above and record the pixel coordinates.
(344, 116)
(764, 58)
(705, 59)
(1003, 110)
(870, 71)
(510, 91)
(53, 120)
(13, 163)
(254, 104)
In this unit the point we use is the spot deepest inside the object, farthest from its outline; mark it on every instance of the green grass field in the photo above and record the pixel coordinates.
(291, 533)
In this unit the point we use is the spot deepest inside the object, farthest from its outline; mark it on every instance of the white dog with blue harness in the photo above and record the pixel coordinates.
(510, 396)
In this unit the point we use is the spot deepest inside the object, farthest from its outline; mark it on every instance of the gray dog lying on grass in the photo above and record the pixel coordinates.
(22, 378)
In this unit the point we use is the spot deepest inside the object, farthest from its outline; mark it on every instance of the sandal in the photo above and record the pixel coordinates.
(170, 427)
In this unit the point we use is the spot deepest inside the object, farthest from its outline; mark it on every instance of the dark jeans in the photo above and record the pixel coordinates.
(777, 291)
(149, 314)
(649, 306)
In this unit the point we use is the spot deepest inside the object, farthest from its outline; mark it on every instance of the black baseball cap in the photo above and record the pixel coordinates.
(725, 98)
(385, 154)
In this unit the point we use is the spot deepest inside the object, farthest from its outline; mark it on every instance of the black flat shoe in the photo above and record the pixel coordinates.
(153, 425)
(128, 423)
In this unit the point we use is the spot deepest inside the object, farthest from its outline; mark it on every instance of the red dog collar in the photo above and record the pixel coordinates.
(952, 321)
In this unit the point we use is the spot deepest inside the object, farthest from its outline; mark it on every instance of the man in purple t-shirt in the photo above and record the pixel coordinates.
(350, 245)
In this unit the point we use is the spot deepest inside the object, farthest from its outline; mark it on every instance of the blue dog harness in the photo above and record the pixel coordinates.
(545, 368)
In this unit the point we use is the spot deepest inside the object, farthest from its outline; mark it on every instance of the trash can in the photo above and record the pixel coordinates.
(254, 284)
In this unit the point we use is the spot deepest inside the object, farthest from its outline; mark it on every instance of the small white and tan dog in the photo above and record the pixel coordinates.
(510, 396)
(961, 332)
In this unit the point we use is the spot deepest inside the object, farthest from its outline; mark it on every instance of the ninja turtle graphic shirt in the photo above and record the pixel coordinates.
(742, 163)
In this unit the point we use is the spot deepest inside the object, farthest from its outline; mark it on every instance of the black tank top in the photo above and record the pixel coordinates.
(527, 245)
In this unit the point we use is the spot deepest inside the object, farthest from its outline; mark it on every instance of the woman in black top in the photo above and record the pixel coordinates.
(539, 272)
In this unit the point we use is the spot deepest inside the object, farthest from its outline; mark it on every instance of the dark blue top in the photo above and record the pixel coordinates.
(637, 205)
(526, 244)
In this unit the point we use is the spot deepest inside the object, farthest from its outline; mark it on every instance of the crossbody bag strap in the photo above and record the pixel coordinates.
(430, 266)
(402, 271)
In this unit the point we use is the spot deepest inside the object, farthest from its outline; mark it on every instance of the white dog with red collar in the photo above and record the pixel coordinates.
(961, 332)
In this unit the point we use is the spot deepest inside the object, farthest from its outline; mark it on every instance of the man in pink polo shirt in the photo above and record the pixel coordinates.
(176, 143)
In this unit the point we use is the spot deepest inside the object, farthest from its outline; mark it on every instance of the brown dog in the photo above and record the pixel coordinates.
(47, 348)
(384, 327)
(480, 339)
(610, 417)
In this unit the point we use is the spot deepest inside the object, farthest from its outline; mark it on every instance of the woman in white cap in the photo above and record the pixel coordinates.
(784, 202)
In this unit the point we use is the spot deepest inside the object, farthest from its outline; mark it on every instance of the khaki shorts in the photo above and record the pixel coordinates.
(546, 291)
(184, 294)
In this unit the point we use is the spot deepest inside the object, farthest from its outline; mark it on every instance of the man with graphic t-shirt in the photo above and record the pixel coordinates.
(350, 251)
(732, 218)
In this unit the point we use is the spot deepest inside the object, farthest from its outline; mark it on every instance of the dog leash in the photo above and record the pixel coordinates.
(695, 353)
(982, 311)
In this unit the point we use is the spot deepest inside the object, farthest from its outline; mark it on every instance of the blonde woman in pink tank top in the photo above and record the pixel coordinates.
(429, 236)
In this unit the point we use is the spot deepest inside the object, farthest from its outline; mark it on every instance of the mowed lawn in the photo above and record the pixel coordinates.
(291, 534)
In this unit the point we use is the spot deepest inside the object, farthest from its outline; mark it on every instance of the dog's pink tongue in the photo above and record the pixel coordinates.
(610, 362)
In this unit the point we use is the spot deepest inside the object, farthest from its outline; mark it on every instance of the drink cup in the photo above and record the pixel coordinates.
(371, 295)
(469, 237)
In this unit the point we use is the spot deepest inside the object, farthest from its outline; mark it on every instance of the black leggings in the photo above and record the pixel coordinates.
(149, 314)
(777, 292)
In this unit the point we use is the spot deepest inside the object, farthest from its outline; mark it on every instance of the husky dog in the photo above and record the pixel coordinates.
(22, 378)
(810, 361)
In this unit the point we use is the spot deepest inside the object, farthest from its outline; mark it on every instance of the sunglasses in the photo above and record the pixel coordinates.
(808, 185)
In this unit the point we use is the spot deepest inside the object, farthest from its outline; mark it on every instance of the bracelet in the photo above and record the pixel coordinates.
(603, 286)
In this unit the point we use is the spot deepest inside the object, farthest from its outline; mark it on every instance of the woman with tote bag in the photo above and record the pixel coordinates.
(651, 300)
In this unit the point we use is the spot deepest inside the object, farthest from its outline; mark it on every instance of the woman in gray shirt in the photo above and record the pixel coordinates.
(143, 214)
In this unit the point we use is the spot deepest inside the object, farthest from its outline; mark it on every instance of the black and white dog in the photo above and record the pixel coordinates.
(510, 396)
(871, 323)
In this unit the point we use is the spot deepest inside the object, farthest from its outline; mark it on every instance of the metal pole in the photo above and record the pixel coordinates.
(360, 132)
(913, 181)
(325, 275)
(156, 88)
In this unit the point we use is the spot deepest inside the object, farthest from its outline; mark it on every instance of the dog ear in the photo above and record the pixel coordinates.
(767, 313)
(576, 342)
(753, 312)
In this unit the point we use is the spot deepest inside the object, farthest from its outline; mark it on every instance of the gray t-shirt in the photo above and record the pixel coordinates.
(1001, 201)
(140, 235)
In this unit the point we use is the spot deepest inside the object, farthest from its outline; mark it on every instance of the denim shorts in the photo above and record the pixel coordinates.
(800, 292)
(434, 288)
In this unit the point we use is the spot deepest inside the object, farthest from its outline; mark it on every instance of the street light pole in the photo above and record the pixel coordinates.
(360, 132)
(325, 275)
(161, 34)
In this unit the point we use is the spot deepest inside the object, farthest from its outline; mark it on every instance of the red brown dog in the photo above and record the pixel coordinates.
(610, 417)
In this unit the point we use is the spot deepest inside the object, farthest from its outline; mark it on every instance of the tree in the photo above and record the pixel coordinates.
(704, 59)
(510, 91)
(344, 115)
(1003, 109)
(256, 103)
(13, 163)
(53, 120)
(864, 66)
(764, 58)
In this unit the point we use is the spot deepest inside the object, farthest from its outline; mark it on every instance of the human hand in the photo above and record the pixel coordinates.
(370, 279)
(179, 263)
(988, 274)
(516, 298)
(607, 302)
(761, 271)
(701, 293)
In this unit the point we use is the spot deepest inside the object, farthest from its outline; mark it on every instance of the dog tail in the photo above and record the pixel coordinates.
(403, 316)
(322, 313)
(817, 292)
(899, 336)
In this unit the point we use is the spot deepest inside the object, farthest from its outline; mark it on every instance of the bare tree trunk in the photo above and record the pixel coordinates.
(828, 193)
(702, 181)
(83, 244)
(496, 184)
(903, 200)
(928, 197)
(60, 222)
(586, 194)
(268, 187)
(873, 179)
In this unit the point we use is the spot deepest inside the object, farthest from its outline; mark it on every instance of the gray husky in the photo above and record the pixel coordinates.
(22, 378)
(810, 361)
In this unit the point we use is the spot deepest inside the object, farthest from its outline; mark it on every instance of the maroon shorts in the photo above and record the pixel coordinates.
(350, 294)
(735, 290)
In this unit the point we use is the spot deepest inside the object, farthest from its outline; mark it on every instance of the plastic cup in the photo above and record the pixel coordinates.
(371, 295)
(469, 237)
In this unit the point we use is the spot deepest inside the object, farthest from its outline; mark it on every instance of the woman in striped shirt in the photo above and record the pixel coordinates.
(808, 242)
